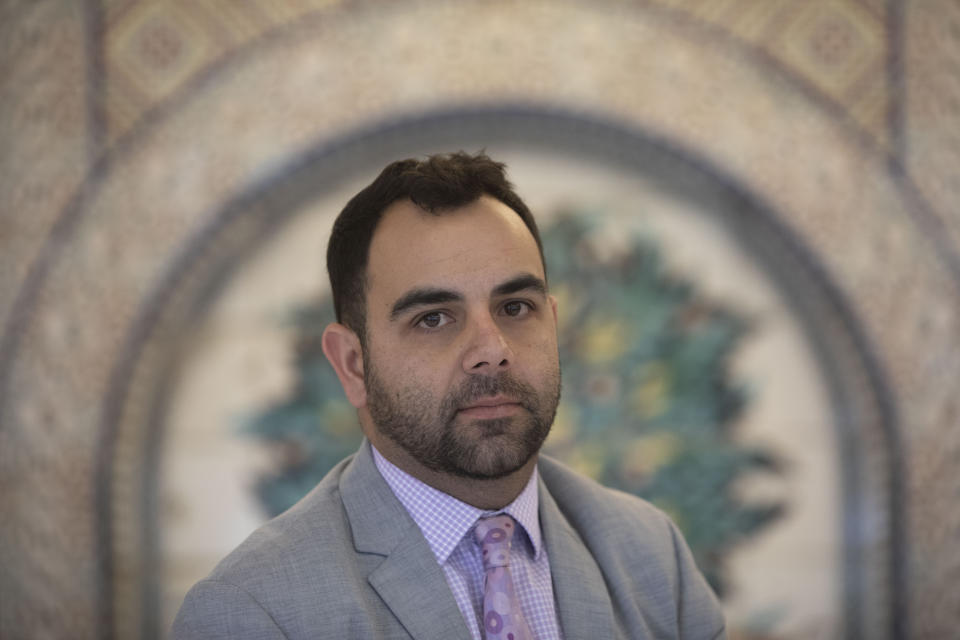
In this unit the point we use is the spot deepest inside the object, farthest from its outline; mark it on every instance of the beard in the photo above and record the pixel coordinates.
(431, 433)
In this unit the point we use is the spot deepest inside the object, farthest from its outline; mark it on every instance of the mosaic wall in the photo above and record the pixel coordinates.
(160, 158)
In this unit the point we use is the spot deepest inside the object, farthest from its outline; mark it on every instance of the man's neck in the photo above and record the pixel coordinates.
(489, 494)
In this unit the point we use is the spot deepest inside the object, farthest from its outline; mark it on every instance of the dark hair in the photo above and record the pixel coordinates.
(436, 185)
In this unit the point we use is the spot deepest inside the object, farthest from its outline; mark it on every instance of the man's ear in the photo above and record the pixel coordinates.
(342, 348)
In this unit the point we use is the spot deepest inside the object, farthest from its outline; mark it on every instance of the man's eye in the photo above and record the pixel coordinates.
(516, 308)
(433, 320)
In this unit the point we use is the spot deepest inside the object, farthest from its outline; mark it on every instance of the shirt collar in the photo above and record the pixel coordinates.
(445, 520)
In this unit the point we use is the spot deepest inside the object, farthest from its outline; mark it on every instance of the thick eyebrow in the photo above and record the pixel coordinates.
(429, 295)
(522, 282)
(420, 297)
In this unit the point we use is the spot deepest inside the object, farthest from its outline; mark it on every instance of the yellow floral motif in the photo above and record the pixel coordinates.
(647, 454)
(651, 396)
(588, 459)
(603, 341)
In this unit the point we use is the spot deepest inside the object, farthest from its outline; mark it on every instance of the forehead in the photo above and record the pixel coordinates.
(472, 248)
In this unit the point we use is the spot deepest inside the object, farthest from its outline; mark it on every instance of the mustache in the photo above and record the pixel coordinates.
(478, 387)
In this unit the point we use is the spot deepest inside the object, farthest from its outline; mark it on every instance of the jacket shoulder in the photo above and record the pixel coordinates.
(646, 564)
(290, 574)
(290, 539)
(587, 504)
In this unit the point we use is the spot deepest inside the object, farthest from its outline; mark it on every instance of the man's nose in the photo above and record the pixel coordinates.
(488, 349)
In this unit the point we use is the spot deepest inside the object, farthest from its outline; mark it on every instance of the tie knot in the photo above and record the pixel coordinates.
(494, 536)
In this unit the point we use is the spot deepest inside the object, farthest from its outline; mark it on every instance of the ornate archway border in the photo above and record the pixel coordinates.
(71, 216)
(134, 408)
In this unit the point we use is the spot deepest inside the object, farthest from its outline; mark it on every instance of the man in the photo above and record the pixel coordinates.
(448, 523)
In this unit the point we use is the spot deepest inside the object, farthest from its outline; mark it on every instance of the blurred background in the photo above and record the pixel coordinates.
(751, 214)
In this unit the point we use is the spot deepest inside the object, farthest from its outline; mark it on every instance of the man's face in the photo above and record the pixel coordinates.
(460, 361)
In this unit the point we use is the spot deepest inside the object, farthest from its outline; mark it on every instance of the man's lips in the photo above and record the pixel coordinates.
(494, 407)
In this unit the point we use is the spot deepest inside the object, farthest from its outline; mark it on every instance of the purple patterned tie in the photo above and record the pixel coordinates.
(502, 617)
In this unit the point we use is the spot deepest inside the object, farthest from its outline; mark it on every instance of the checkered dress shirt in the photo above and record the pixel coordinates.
(448, 523)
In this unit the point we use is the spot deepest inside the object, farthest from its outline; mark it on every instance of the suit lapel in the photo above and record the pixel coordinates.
(413, 585)
(583, 604)
(409, 580)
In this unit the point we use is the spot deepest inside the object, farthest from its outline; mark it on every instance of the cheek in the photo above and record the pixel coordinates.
(426, 374)
(539, 356)
(544, 344)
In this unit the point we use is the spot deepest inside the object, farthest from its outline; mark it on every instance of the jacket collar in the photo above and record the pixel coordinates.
(427, 611)
(583, 605)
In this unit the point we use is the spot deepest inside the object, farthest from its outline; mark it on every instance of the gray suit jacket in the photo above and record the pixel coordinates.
(347, 561)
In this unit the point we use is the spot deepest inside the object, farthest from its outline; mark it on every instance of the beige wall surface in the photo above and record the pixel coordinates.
(169, 171)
